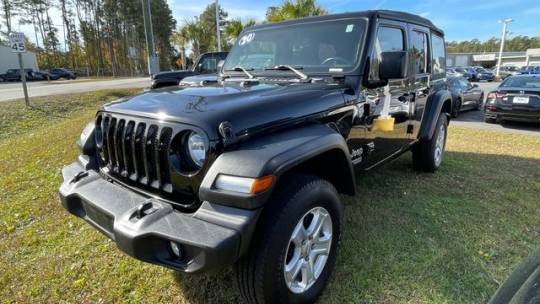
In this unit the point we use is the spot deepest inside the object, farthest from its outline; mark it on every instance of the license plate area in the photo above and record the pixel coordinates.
(101, 219)
(520, 100)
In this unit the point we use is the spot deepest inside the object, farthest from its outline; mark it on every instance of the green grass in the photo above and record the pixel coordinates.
(449, 237)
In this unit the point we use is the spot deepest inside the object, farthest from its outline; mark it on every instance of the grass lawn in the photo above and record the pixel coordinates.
(450, 237)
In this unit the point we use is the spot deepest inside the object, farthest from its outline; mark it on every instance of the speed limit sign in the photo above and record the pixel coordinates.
(17, 42)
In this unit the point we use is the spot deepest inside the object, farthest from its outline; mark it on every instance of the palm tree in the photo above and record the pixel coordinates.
(181, 39)
(294, 9)
(235, 27)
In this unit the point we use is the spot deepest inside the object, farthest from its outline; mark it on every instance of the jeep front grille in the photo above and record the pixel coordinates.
(138, 151)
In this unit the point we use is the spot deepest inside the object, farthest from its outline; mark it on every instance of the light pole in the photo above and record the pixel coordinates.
(217, 28)
(505, 24)
(153, 59)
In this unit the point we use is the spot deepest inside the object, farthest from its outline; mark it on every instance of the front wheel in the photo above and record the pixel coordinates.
(294, 248)
(428, 155)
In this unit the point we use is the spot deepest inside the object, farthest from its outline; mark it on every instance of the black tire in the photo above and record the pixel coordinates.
(260, 273)
(456, 108)
(490, 120)
(424, 152)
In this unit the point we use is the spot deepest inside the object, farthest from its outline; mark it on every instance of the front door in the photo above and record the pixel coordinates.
(368, 145)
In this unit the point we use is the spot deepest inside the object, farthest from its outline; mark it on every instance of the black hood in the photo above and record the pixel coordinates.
(248, 109)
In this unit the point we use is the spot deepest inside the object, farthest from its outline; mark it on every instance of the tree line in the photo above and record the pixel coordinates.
(515, 44)
(100, 37)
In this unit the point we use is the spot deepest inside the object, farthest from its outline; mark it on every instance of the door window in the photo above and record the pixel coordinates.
(208, 65)
(438, 60)
(419, 50)
(388, 39)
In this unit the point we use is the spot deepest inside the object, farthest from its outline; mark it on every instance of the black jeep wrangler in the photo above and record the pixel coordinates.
(250, 172)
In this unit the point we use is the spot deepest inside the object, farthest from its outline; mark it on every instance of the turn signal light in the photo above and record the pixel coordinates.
(244, 184)
(262, 184)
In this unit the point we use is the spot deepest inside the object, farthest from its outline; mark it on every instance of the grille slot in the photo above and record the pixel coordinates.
(142, 153)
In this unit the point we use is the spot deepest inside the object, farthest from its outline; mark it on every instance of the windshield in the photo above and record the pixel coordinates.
(522, 82)
(327, 46)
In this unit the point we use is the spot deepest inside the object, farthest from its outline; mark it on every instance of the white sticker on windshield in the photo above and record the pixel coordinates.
(335, 70)
(246, 39)
(349, 28)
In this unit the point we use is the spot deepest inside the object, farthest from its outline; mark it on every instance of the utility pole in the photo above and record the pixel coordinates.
(218, 32)
(505, 24)
(153, 59)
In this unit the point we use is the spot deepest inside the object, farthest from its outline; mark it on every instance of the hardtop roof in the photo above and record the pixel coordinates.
(386, 14)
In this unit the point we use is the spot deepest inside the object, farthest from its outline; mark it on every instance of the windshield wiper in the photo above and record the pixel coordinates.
(285, 67)
(241, 69)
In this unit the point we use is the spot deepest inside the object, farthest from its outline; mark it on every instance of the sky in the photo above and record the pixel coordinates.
(460, 19)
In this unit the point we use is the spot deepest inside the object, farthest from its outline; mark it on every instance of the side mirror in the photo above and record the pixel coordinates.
(393, 65)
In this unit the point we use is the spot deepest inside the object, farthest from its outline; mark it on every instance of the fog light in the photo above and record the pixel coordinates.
(175, 248)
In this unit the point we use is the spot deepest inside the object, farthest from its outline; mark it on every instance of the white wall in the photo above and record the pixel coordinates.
(8, 60)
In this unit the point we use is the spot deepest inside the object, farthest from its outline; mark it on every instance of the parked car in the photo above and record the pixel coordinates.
(206, 64)
(12, 75)
(468, 73)
(451, 72)
(506, 71)
(465, 95)
(249, 172)
(49, 76)
(62, 73)
(516, 98)
(531, 70)
(483, 74)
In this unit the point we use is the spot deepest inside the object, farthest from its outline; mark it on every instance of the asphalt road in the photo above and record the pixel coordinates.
(475, 119)
(13, 90)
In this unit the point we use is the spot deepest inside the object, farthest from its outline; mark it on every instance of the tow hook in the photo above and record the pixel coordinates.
(144, 209)
(78, 177)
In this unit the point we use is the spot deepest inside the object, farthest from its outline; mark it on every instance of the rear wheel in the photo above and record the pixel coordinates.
(428, 155)
(294, 248)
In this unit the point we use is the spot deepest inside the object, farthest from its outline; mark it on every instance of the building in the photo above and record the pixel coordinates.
(8, 60)
(519, 59)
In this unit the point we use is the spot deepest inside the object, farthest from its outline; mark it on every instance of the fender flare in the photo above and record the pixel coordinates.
(274, 154)
(434, 106)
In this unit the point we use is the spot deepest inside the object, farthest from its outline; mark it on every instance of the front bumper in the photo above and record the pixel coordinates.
(144, 227)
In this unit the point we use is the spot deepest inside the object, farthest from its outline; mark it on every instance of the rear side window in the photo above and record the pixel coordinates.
(439, 56)
(419, 49)
(388, 39)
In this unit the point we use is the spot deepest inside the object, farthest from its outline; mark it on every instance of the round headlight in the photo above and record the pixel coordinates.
(196, 149)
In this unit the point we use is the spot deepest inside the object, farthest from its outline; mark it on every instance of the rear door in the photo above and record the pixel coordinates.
(420, 73)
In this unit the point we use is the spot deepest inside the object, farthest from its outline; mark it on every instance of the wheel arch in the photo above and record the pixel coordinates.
(437, 103)
(315, 149)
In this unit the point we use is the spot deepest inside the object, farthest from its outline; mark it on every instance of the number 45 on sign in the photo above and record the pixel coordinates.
(17, 42)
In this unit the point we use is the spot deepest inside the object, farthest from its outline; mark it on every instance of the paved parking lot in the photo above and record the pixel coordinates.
(475, 119)
(13, 90)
